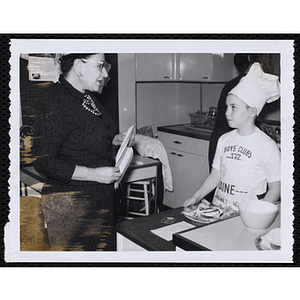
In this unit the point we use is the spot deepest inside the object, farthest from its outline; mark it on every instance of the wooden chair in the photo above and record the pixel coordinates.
(144, 191)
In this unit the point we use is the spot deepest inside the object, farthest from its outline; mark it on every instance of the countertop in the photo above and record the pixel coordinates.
(226, 235)
(138, 229)
(187, 130)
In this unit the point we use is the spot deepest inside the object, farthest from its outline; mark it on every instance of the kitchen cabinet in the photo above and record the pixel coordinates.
(194, 67)
(125, 244)
(155, 67)
(199, 67)
(189, 165)
(162, 73)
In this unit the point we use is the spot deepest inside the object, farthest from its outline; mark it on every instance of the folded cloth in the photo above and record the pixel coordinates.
(150, 147)
(146, 130)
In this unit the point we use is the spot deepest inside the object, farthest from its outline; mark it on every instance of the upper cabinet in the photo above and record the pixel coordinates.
(194, 66)
(199, 67)
(155, 67)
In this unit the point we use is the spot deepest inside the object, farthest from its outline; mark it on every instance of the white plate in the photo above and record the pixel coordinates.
(257, 243)
(198, 219)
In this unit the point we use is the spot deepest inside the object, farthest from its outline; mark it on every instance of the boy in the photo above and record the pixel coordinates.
(246, 165)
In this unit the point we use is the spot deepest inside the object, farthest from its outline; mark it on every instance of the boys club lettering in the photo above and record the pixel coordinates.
(236, 152)
(229, 190)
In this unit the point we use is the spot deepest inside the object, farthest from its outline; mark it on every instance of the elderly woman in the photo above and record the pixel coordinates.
(75, 150)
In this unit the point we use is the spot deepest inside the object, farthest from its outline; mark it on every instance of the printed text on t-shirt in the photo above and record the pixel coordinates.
(236, 151)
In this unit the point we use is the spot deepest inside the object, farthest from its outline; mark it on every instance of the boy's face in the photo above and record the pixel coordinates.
(237, 112)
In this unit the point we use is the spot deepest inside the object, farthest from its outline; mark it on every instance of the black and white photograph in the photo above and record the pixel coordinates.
(151, 151)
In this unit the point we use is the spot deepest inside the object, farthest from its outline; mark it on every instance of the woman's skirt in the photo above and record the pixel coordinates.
(79, 218)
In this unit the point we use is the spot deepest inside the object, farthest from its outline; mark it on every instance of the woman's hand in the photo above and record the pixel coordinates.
(119, 138)
(190, 201)
(104, 175)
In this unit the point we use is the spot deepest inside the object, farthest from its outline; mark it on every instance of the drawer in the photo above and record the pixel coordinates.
(183, 143)
(139, 174)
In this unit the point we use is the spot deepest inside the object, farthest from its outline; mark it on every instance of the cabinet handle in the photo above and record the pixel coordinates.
(177, 142)
(174, 153)
(205, 77)
(167, 77)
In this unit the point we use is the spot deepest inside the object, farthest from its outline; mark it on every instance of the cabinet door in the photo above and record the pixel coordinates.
(195, 67)
(189, 171)
(184, 143)
(155, 66)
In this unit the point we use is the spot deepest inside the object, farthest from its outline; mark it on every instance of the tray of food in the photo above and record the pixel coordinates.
(205, 212)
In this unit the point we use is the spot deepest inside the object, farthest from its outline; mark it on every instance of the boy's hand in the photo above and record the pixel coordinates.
(190, 201)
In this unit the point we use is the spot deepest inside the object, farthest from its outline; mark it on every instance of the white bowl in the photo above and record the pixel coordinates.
(257, 214)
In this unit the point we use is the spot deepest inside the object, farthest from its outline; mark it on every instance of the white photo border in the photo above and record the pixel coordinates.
(286, 50)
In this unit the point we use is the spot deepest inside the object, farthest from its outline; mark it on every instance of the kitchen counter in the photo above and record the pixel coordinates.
(226, 235)
(187, 130)
(229, 234)
(138, 230)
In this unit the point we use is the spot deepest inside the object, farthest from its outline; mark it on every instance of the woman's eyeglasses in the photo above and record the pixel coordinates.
(101, 65)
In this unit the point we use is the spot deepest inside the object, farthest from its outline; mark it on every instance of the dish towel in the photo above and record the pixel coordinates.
(150, 147)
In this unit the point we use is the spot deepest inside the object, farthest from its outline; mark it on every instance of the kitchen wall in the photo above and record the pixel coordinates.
(159, 103)
(126, 91)
(168, 103)
(210, 94)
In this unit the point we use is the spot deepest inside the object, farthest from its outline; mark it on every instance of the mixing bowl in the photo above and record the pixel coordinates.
(257, 214)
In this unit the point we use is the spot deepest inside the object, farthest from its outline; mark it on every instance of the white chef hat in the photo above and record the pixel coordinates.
(257, 88)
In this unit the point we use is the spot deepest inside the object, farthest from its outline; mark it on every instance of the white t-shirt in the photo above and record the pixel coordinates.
(246, 164)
